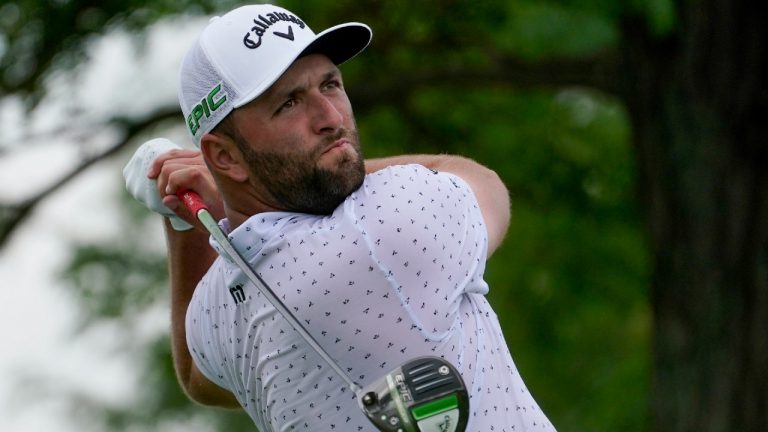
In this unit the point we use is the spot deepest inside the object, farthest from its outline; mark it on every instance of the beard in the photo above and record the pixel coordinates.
(298, 184)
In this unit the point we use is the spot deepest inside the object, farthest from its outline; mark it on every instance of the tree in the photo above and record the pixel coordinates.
(680, 81)
(694, 96)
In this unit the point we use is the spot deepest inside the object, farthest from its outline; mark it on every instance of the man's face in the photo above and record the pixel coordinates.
(300, 141)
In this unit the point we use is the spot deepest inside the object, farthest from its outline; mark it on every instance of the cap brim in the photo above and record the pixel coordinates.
(340, 43)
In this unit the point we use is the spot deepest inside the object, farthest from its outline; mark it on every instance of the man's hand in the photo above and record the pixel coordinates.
(181, 170)
(159, 169)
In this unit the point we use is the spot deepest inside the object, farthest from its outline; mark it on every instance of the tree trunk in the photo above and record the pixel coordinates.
(694, 97)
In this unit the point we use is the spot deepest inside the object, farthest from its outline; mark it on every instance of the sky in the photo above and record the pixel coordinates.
(41, 354)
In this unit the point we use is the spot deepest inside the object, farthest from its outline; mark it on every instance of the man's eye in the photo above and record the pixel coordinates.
(286, 105)
(332, 84)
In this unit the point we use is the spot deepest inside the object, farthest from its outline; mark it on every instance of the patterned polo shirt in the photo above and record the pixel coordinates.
(394, 273)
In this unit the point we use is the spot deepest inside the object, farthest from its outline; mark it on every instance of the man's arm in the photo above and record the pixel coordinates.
(189, 257)
(492, 195)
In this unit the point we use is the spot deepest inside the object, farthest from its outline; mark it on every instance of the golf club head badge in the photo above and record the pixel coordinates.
(426, 394)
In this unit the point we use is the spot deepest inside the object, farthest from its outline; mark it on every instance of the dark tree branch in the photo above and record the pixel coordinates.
(13, 215)
(597, 73)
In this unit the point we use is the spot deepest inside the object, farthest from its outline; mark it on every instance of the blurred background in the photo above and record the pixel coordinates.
(633, 284)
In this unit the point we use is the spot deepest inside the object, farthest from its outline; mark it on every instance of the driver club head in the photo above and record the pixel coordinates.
(426, 394)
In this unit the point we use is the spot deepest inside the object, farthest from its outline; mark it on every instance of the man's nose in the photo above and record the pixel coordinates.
(326, 117)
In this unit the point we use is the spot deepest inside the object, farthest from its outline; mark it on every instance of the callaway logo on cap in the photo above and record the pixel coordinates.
(262, 24)
(241, 54)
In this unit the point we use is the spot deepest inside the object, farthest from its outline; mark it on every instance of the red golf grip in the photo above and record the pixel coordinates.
(192, 200)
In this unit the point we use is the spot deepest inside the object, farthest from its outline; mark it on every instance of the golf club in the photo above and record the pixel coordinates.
(426, 394)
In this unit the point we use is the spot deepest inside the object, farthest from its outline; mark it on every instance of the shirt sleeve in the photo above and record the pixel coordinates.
(199, 326)
(429, 237)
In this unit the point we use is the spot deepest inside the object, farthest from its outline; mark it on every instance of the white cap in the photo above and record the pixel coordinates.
(241, 54)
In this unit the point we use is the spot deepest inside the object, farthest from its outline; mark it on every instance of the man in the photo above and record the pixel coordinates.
(382, 259)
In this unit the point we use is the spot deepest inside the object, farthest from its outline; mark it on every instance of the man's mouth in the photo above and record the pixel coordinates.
(338, 140)
(336, 144)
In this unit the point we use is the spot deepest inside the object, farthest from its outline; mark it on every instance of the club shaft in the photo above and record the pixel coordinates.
(221, 238)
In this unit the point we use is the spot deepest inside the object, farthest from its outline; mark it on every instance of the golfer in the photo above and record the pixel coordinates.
(382, 260)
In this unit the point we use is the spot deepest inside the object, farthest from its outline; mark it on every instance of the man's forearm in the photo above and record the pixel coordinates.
(189, 257)
(427, 160)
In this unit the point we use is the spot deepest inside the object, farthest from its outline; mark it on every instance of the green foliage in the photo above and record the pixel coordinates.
(107, 284)
(661, 15)
(569, 284)
(541, 30)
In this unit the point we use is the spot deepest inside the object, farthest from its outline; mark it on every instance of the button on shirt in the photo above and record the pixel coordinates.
(396, 272)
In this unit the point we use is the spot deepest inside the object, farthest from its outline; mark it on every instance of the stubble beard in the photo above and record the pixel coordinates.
(295, 181)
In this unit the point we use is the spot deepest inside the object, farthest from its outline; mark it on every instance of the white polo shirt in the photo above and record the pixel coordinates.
(394, 273)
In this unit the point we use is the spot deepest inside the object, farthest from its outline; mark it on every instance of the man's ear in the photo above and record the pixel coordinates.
(224, 157)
